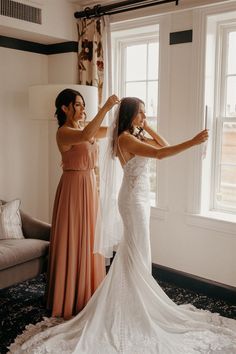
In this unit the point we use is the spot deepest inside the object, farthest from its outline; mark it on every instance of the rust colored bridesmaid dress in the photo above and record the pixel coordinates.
(74, 271)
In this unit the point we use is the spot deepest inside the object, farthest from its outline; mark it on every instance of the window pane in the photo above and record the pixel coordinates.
(151, 108)
(136, 89)
(152, 121)
(153, 58)
(136, 62)
(229, 144)
(232, 53)
(226, 195)
(231, 97)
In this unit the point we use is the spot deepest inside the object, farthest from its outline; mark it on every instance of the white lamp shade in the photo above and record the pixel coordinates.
(42, 100)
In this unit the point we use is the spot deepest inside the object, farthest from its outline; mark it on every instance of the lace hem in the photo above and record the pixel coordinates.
(29, 332)
(192, 342)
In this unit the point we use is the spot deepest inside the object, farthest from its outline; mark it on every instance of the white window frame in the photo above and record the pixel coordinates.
(120, 39)
(124, 44)
(220, 116)
(199, 213)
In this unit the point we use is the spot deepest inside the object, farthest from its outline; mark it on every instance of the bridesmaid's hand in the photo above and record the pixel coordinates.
(111, 101)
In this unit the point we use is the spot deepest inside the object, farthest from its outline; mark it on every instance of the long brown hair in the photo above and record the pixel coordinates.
(129, 108)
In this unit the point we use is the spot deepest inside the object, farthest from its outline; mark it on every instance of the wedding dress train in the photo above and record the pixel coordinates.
(129, 312)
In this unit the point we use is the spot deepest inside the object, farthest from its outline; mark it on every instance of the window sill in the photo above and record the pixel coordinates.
(159, 213)
(220, 222)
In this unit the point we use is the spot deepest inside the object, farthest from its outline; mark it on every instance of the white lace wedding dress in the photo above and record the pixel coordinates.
(129, 313)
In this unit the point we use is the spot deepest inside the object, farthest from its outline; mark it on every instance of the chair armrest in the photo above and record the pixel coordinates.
(34, 228)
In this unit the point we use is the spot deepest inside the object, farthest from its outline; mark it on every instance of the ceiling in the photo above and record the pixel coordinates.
(44, 39)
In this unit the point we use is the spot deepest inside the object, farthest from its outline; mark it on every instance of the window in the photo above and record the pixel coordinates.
(225, 166)
(222, 181)
(141, 76)
(136, 67)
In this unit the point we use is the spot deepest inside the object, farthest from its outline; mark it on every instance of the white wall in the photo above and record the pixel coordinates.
(23, 141)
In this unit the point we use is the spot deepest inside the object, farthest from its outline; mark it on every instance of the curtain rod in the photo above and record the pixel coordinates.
(119, 7)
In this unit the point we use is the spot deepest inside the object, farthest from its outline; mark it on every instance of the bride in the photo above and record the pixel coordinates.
(129, 313)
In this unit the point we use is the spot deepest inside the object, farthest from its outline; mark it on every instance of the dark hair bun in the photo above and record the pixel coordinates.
(64, 98)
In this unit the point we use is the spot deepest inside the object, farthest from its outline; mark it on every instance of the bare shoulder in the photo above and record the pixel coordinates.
(62, 130)
(67, 131)
(126, 137)
(60, 133)
(128, 140)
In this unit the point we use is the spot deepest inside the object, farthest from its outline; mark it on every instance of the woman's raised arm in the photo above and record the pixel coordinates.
(136, 147)
(71, 136)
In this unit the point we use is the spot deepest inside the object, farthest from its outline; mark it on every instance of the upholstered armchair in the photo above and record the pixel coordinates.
(25, 257)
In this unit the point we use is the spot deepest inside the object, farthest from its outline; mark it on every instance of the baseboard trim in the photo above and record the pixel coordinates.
(195, 283)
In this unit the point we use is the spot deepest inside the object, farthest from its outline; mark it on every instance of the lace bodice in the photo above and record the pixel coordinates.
(136, 175)
(136, 166)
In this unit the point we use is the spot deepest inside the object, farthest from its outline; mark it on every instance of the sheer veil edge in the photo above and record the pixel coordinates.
(109, 229)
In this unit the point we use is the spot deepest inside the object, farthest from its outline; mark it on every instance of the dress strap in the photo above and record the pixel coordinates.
(118, 145)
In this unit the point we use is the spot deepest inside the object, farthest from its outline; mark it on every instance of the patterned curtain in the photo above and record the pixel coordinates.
(94, 58)
(91, 53)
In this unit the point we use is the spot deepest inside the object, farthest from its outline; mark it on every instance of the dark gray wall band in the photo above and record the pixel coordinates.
(33, 47)
(72, 46)
(181, 37)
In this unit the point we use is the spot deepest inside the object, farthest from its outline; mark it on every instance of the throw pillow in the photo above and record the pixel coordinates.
(10, 220)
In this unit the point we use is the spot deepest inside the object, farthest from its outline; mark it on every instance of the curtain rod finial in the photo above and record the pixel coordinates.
(87, 12)
(97, 10)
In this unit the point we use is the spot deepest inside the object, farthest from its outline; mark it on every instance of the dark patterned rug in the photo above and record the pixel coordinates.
(24, 303)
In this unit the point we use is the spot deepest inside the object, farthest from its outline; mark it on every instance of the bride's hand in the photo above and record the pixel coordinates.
(111, 101)
(200, 137)
(145, 124)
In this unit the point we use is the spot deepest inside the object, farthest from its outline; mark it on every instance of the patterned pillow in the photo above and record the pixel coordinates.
(10, 220)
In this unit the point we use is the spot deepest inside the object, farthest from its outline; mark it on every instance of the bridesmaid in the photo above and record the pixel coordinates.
(74, 272)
